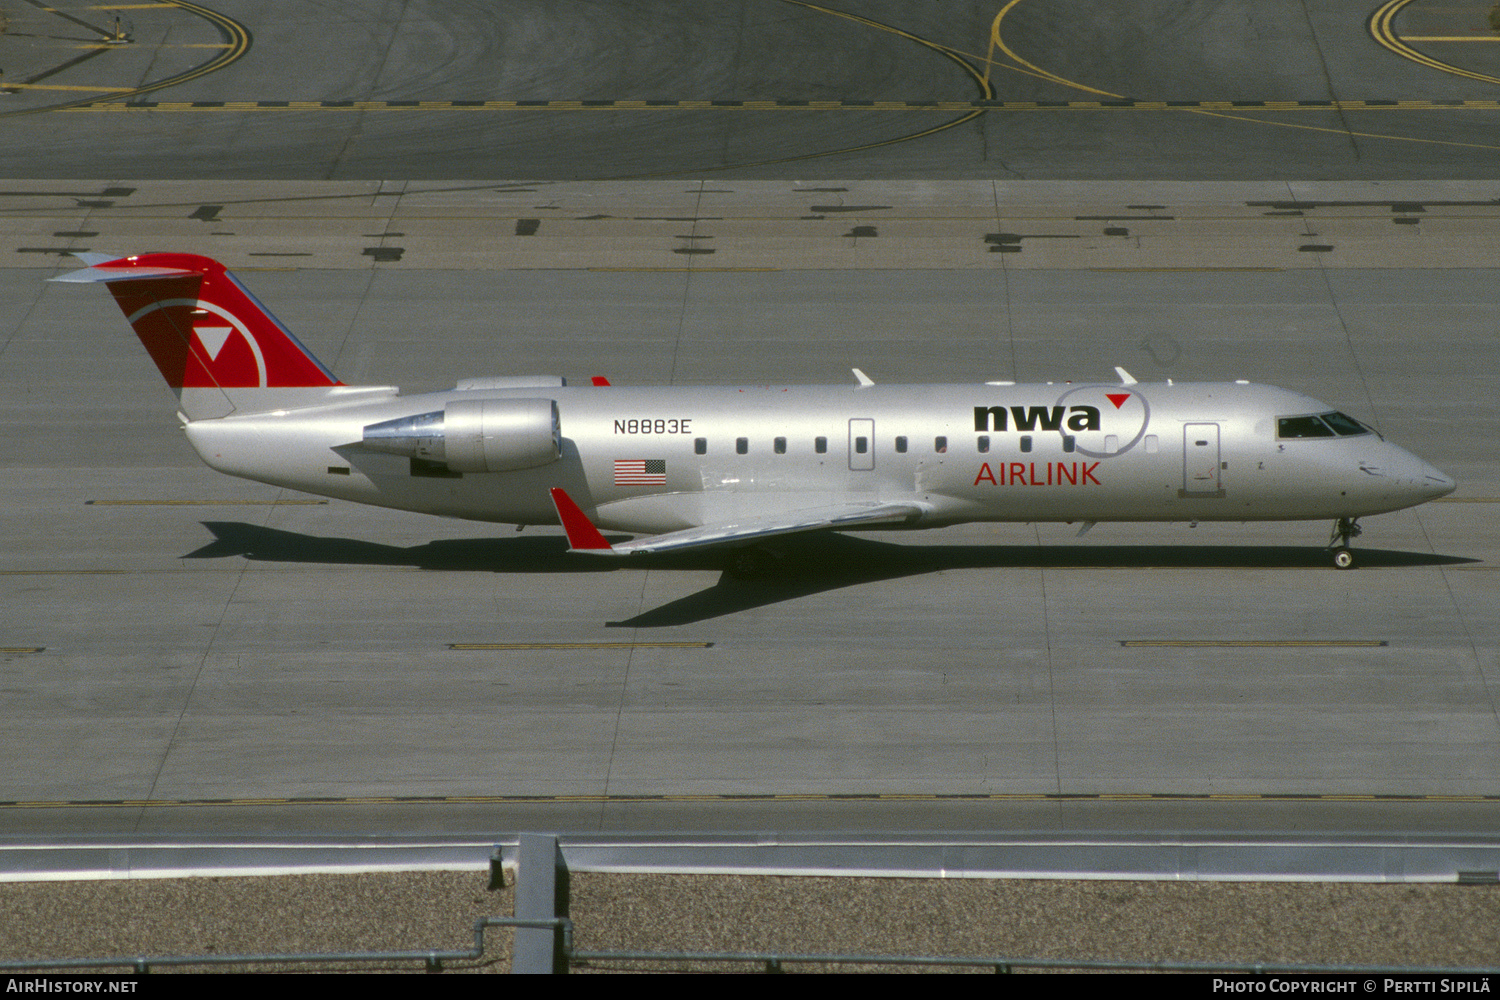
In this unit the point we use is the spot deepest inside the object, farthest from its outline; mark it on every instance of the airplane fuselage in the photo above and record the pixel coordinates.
(693, 467)
(664, 459)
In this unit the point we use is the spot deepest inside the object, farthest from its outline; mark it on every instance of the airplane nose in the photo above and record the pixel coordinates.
(1436, 484)
(1423, 481)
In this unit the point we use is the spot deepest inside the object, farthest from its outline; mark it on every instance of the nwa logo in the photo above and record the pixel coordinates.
(1081, 424)
(1031, 418)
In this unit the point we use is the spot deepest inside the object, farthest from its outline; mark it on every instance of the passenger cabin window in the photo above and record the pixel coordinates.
(984, 443)
(820, 445)
(901, 446)
(780, 445)
(1069, 443)
(1302, 427)
(742, 446)
(1025, 442)
(700, 446)
(940, 445)
(861, 445)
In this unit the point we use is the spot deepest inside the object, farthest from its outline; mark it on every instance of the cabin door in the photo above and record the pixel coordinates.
(1200, 461)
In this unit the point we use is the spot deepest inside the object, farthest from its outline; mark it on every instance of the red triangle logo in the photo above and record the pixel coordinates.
(1118, 398)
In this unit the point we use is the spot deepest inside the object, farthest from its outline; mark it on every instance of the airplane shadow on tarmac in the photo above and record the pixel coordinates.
(813, 563)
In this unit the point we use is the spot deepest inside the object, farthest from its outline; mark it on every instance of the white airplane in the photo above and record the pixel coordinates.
(689, 467)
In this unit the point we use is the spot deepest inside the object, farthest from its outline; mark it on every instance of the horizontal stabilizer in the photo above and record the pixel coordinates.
(93, 274)
(584, 537)
(94, 258)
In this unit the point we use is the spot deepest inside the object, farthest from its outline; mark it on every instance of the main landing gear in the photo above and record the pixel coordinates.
(1344, 529)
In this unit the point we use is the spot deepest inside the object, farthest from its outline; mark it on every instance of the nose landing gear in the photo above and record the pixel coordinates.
(1344, 529)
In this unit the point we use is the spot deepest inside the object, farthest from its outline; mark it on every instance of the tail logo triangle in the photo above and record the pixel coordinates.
(163, 319)
(212, 338)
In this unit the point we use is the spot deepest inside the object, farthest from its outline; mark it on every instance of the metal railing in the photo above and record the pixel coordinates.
(432, 958)
(772, 961)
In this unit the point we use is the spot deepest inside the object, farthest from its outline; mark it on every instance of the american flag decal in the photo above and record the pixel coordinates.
(640, 472)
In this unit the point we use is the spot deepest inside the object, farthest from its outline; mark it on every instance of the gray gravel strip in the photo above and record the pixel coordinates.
(1295, 923)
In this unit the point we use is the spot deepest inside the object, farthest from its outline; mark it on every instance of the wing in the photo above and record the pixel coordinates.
(584, 537)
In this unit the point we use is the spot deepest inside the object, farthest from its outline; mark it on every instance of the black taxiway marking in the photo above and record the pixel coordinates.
(784, 105)
(470, 646)
(439, 800)
(109, 192)
(203, 503)
(1298, 207)
(63, 572)
(1253, 643)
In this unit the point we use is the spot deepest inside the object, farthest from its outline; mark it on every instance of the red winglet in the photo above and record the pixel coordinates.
(600, 380)
(581, 531)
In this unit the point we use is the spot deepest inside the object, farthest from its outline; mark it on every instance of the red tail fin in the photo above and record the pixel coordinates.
(202, 327)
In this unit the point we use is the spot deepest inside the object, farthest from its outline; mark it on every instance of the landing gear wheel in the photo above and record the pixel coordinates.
(1344, 530)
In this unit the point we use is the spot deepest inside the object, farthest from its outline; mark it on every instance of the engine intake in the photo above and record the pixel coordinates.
(475, 435)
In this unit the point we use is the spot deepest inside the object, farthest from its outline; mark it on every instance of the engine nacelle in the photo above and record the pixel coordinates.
(475, 435)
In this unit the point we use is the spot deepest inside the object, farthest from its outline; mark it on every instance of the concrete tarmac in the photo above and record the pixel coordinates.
(174, 636)
(565, 89)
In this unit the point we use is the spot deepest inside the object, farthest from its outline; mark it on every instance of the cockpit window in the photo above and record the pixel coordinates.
(1343, 425)
(1302, 427)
